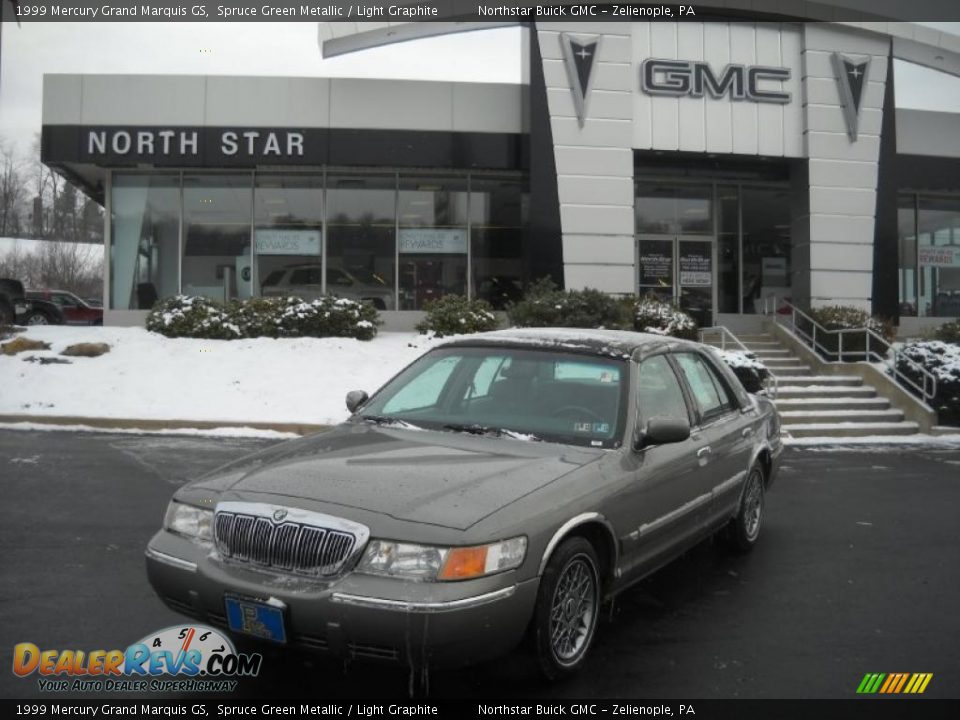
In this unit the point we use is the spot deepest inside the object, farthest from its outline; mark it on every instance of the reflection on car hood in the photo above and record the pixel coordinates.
(442, 478)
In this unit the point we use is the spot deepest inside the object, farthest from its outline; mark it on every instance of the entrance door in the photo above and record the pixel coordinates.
(679, 269)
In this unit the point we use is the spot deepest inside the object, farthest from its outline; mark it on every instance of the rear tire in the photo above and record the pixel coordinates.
(568, 605)
(743, 531)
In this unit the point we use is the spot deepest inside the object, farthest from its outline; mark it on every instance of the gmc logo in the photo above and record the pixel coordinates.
(676, 78)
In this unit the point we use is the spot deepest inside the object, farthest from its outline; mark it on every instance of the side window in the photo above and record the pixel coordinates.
(710, 393)
(305, 276)
(658, 391)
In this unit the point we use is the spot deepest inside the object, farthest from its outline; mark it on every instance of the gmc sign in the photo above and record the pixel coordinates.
(676, 78)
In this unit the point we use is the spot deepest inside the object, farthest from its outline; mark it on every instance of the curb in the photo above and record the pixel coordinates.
(143, 424)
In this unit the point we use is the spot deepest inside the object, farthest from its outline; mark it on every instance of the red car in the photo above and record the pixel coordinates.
(76, 311)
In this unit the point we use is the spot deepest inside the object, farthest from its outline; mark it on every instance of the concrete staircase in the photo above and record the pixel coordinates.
(824, 405)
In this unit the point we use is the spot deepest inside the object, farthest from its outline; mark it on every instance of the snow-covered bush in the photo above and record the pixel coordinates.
(455, 315)
(198, 317)
(653, 315)
(943, 361)
(330, 316)
(544, 305)
(844, 317)
(195, 317)
(751, 372)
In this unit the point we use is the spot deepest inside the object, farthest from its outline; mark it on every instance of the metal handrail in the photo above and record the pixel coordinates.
(771, 384)
(927, 388)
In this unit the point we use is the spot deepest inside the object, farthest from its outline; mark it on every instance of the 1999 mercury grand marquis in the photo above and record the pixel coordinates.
(502, 485)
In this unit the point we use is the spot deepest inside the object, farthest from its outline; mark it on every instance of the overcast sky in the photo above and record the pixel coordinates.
(243, 48)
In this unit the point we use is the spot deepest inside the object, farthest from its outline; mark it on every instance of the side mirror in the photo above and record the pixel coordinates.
(663, 430)
(356, 398)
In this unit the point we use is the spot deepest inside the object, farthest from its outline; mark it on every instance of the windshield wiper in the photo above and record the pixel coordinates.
(477, 429)
(387, 420)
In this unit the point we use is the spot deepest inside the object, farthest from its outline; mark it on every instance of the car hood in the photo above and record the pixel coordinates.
(447, 479)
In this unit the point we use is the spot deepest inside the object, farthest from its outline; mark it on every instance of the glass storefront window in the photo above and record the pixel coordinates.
(145, 240)
(938, 256)
(217, 253)
(361, 248)
(497, 222)
(432, 240)
(288, 235)
(680, 209)
(765, 213)
(907, 274)
(728, 250)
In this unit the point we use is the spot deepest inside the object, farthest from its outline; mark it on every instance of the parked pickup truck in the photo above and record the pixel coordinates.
(15, 307)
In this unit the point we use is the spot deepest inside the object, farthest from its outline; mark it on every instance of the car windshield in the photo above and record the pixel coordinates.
(509, 392)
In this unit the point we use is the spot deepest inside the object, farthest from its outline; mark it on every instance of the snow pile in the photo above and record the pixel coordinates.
(147, 376)
(942, 360)
(741, 359)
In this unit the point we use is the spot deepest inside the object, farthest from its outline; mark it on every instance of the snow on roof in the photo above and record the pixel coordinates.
(600, 341)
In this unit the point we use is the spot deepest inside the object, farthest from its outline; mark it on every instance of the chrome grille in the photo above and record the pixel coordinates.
(247, 532)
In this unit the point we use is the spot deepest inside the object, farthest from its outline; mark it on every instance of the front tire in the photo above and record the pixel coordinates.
(568, 605)
(37, 317)
(744, 530)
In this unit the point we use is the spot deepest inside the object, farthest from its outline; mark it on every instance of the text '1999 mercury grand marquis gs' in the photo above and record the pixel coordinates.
(502, 485)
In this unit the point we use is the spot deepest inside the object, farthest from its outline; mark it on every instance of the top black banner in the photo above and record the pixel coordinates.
(507, 11)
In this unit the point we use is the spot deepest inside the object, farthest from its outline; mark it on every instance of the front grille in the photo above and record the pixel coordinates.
(290, 546)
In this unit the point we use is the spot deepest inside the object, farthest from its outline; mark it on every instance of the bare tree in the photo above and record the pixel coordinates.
(12, 190)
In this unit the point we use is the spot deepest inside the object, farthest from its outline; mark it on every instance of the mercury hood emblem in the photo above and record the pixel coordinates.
(279, 515)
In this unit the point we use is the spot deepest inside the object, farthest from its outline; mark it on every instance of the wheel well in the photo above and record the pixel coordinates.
(597, 535)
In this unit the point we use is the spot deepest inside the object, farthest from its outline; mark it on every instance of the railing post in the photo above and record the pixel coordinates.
(840, 345)
(815, 338)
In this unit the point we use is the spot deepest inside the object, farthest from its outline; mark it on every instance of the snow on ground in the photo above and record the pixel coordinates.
(224, 432)
(841, 443)
(148, 376)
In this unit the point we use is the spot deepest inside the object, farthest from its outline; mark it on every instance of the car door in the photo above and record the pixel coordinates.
(664, 496)
(722, 433)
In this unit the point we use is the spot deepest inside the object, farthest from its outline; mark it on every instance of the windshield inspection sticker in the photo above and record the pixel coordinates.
(588, 427)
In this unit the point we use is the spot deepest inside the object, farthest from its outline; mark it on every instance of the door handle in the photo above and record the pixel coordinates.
(747, 432)
(704, 451)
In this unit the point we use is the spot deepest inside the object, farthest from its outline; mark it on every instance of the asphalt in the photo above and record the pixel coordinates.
(856, 572)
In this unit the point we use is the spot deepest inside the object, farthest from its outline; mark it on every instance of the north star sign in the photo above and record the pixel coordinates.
(165, 143)
(694, 78)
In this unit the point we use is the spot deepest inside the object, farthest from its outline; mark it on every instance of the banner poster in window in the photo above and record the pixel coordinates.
(939, 256)
(275, 241)
(433, 241)
(696, 267)
(656, 263)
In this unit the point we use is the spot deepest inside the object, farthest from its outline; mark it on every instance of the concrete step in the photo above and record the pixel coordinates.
(779, 353)
(780, 360)
(761, 344)
(805, 417)
(844, 402)
(790, 371)
(852, 429)
(787, 392)
(756, 337)
(821, 380)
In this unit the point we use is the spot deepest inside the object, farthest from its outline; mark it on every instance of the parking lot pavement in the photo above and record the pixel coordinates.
(856, 572)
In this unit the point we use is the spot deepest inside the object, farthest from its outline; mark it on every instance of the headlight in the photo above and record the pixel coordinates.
(189, 520)
(423, 562)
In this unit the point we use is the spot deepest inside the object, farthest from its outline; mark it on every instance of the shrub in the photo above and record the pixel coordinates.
(844, 317)
(22, 344)
(751, 372)
(948, 332)
(544, 305)
(653, 315)
(453, 314)
(86, 350)
(328, 316)
(193, 317)
(943, 361)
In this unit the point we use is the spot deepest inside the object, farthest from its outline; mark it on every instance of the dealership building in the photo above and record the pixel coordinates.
(725, 163)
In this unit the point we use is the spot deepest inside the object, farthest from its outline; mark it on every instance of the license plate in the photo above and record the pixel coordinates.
(255, 618)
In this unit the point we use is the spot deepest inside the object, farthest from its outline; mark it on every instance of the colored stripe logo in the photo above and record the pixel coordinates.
(894, 683)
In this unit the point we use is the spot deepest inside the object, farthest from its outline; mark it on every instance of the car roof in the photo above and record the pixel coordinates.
(598, 342)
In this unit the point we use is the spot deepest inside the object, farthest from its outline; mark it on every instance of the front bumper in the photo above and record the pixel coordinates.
(355, 615)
